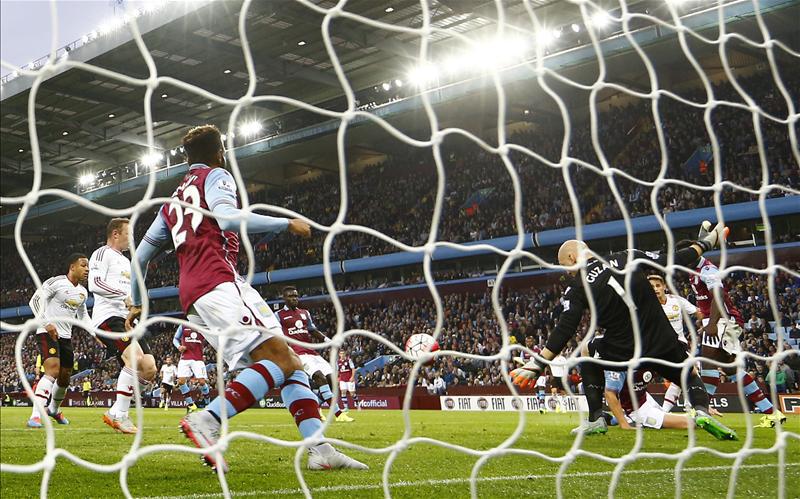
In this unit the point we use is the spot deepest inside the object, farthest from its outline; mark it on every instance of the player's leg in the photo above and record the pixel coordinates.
(671, 397)
(274, 364)
(326, 390)
(594, 385)
(754, 393)
(201, 378)
(343, 394)
(184, 375)
(48, 349)
(66, 360)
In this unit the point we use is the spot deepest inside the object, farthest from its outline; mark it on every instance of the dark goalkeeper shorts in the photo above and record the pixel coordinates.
(115, 346)
(167, 387)
(60, 348)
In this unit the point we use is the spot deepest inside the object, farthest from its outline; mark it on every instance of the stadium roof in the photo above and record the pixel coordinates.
(89, 121)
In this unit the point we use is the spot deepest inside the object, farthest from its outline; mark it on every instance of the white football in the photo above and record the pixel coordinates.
(418, 344)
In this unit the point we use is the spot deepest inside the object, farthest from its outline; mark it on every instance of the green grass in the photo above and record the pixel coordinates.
(259, 469)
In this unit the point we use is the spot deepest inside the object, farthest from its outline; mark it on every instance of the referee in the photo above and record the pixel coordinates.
(612, 299)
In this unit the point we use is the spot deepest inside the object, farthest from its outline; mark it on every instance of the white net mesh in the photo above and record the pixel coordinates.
(635, 25)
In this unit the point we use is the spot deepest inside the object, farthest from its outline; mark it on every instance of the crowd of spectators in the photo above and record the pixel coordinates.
(397, 196)
(470, 326)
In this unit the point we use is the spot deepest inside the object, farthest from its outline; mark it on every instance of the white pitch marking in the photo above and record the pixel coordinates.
(456, 481)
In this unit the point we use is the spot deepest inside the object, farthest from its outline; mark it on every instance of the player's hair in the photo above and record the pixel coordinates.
(72, 258)
(656, 276)
(286, 289)
(202, 144)
(115, 224)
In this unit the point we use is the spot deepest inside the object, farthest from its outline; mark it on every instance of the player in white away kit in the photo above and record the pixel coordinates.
(110, 282)
(214, 296)
(648, 413)
(347, 380)
(674, 307)
(168, 374)
(191, 366)
(59, 297)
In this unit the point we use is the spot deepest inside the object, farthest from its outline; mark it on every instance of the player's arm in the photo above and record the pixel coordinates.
(574, 305)
(176, 340)
(711, 278)
(708, 238)
(98, 273)
(155, 237)
(314, 330)
(39, 302)
(615, 383)
(691, 311)
(220, 190)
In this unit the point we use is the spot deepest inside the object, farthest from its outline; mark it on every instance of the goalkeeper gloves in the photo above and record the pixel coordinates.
(710, 238)
(525, 376)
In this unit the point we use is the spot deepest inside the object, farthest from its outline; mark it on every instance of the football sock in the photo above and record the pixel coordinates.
(754, 393)
(671, 397)
(593, 387)
(710, 379)
(44, 389)
(302, 403)
(344, 401)
(204, 391)
(327, 396)
(355, 400)
(184, 388)
(696, 394)
(57, 398)
(250, 385)
(124, 393)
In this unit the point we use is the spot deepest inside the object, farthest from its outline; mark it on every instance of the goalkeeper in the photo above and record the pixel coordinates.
(613, 306)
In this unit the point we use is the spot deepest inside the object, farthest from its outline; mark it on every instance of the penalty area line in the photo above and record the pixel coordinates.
(458, 481)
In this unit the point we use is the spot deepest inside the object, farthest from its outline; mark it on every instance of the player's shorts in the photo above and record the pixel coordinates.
(60, 349)
(192, 369)
(557, 383)
(232, 303)
(347, 386)
(166, 387)
(314, 363)
(649, 414)
(727, 338)
(116, 346)
(86, 393)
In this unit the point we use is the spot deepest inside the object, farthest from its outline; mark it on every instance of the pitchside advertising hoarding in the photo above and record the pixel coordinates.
(510, 403)
(364, 402)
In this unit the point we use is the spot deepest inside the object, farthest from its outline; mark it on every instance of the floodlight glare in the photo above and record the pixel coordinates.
(250, 128)
(575, 27)
(422, 75)
(86, 179)
(600, 19)
(151, 159)
(386, 86)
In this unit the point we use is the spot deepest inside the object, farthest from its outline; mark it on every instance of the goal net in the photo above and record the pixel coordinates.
(623, 124)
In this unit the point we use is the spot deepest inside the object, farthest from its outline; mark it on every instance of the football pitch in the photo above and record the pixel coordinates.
(260, 469)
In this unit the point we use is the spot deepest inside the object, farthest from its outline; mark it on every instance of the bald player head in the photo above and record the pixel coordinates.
(569, 252)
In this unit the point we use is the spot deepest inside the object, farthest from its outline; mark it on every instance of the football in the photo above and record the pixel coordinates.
(417, 344)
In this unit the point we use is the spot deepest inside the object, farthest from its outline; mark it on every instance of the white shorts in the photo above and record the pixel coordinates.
(347, 386)
(727, 338)
(314, 363)
(649, 414)
(192, 369)
(238, 304)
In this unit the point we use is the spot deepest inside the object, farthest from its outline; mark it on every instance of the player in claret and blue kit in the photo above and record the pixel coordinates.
(215, 297)
(191, 366)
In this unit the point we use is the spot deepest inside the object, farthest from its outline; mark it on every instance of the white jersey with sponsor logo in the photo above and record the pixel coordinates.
(672, 309)
(558, 366)
(168, 373)
(59, 298)
(110, 282)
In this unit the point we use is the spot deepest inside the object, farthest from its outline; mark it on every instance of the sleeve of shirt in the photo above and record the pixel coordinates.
(83, 313)
(155, 237)
(311, 325)
(176, 340)
(98, 276)
(685, 256)
(574, 305)
(220, 190)
(615, 381)
(709, 274)
(687, 306)
(41, 298)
